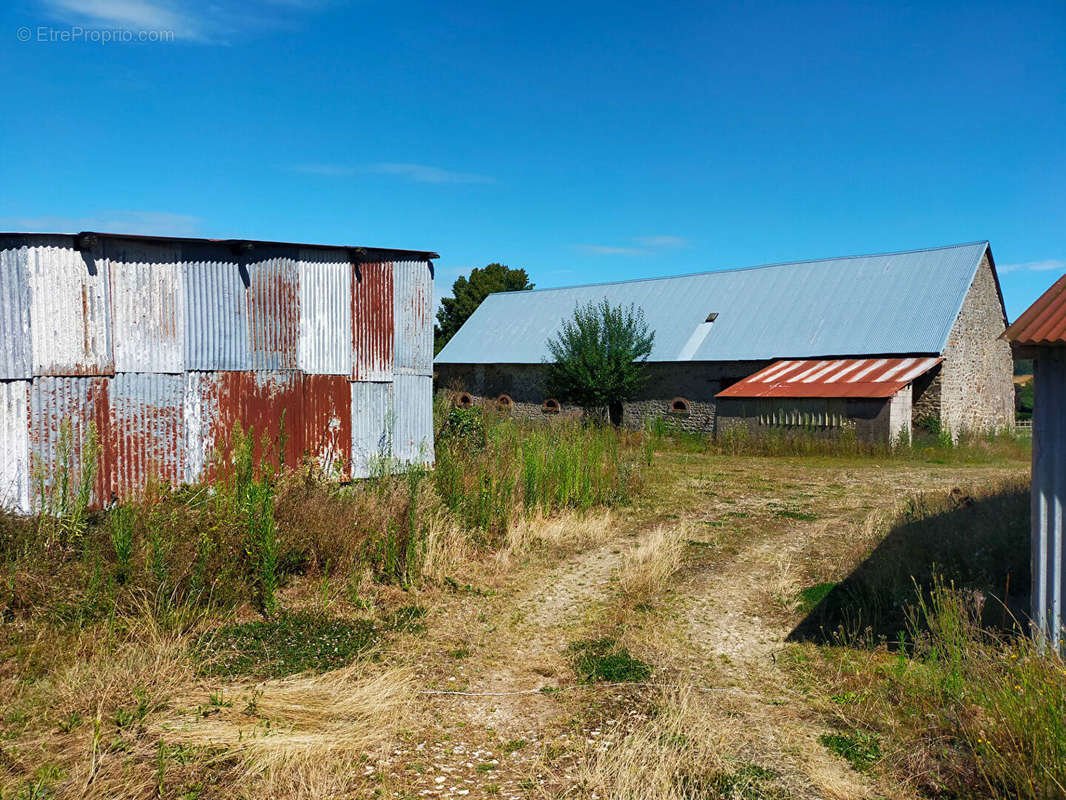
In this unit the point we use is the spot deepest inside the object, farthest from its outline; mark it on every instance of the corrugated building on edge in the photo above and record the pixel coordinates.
(1040, 334)
(144, 352)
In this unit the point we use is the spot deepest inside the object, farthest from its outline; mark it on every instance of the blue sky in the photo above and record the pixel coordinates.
(582, 141)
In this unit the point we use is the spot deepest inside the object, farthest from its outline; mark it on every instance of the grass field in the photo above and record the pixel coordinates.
(552, 612)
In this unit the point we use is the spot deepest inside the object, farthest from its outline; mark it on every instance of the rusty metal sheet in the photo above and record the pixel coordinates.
(413, 313)
(273, 313)
(412, 402)
(14, 446)
(327, 422)
(1044, 322)
(216, 311)
(848, 377)
(272, 406)
(212, 408)
(325, 278)
(73, 406)
(70, 311)
(147, 306)
(372, 425)
(146, 439)
(16, 355)
(372, 321)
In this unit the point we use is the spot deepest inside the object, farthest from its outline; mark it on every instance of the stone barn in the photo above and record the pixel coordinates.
(879, 343)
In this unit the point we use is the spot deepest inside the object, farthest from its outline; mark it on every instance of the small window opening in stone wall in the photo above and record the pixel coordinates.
(679, 405)
(551, 406)
(504, 402)
(464, 400)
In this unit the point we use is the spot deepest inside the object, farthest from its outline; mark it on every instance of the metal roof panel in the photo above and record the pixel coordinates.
(876, 304)
(847, 377)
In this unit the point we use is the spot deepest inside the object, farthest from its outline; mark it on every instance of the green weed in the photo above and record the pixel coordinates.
(286, 645)
(596, 660)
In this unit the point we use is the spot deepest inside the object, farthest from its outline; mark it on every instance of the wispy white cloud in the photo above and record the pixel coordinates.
(646, 245)
(610, 250)
(419, 173)
(148, 15)
(1047, 265)
(422, 173)
(202, 21)
(149, 223)
(662, 242)
(325, 170)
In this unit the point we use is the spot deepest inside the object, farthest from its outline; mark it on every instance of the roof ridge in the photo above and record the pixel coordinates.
(774, 265)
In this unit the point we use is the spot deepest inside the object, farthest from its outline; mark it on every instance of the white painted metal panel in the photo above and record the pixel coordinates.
(148, 305)
(325, 346)
(1049, 496)
(413, 317)
(216, 311)
(16, 353)
(412, 441)
(372, 426)
(70, 312)
(14, 446)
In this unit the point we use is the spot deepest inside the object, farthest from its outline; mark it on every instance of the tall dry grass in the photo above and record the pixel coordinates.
(648, 569)
(675, 753)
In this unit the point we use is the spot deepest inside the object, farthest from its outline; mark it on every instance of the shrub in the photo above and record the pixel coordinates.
(599, 356)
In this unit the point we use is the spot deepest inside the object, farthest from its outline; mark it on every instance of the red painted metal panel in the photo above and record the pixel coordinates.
(849, 377)
(1044, 322)
(272, 406)
(372, 321)
(327, 416)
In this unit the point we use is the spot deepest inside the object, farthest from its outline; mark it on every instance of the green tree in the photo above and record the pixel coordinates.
(600, 357)
(467, 294)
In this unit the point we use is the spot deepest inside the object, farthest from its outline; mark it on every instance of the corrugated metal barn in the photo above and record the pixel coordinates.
(162, 345)
(1040, 334)
(878, 342)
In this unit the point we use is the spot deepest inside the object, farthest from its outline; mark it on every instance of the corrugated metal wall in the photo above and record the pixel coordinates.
(1049, 495)
(216, 312)
(325, 313)
(70, 312)
(14, 445)
(412, 402)
(412, 310)
(372, 322)
(65, 413)
(327, 415)
(164, 348)
(372, 426)
(147, 435)
(16, 357)
(148, 305)
(274, 313)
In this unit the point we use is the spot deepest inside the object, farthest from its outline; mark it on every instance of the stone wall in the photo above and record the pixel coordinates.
(976, 384)
(694, 382)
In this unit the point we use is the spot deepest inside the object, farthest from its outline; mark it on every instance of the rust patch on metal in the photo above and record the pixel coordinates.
(327, 418)
(372, 321)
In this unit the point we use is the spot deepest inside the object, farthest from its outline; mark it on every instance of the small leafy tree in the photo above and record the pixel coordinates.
(467, 294)
(600, 357)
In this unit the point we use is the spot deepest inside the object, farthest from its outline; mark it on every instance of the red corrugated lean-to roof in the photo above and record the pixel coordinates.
(1044, 322)
(847, 377)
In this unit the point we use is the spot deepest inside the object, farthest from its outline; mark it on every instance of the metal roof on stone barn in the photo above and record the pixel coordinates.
(903, 303)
